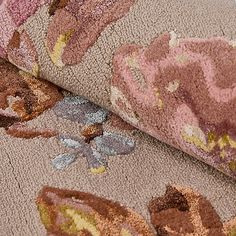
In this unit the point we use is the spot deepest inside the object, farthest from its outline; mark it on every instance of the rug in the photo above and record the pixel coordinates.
(156, 64)
(71, 165)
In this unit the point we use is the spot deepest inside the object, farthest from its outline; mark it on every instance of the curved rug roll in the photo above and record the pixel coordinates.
(166, 67)
(118, 174)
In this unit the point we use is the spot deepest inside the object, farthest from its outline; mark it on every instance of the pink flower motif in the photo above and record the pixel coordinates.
(180, 90)
(22, 53)
(13, 13)
(7, 26)
(83, 21)
(20, 10)
(2, 53)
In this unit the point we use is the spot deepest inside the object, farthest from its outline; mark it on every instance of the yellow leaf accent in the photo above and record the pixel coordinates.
(81, 223)
(44, 215)
(222, 142)
(99, 170)
(35, 70)
(196, 141)
(232, 142)
(125, 232)
(160, 103)
(59, 48)
(232, 232)
(232, 165)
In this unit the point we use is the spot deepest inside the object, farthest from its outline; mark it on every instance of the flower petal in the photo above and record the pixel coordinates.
(65, 212)
(83, 21)
(114, 144)
(96, 162)
(72, 142)
(22, 53)
(64, 160)
(80, 110)
(181, 211)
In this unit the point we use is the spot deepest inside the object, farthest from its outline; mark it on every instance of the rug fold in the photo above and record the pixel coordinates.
(114, 102)
(176, 88)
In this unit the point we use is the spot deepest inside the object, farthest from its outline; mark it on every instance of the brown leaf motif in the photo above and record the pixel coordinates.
(181, 211)
(23, 98)
(22, 53)
(65, 212)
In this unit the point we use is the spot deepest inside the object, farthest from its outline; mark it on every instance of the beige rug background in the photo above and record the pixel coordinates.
(132, 180)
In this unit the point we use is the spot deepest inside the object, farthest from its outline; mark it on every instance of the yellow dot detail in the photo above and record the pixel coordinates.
(99, 170)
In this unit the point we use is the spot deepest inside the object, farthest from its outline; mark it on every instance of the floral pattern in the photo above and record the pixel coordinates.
(175, 89)
(179, 90)
(65, 212)
(12, 15)
(22, 53)
(92, 143)
(181, 211)
(80, 110)
(22, 97)
(83, 21)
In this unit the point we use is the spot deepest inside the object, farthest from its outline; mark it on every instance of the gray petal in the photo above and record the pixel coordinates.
(96, 117)
(80, 110)
(72, 142)
(96, 162)
(112, 144)
(64, 160)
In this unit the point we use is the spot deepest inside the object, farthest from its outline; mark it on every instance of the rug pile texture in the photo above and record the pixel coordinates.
(117, 117)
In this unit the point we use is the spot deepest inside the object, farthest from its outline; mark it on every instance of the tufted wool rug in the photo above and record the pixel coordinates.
(70, 167)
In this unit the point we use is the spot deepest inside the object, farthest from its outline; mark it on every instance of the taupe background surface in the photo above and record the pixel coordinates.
(132, 180)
